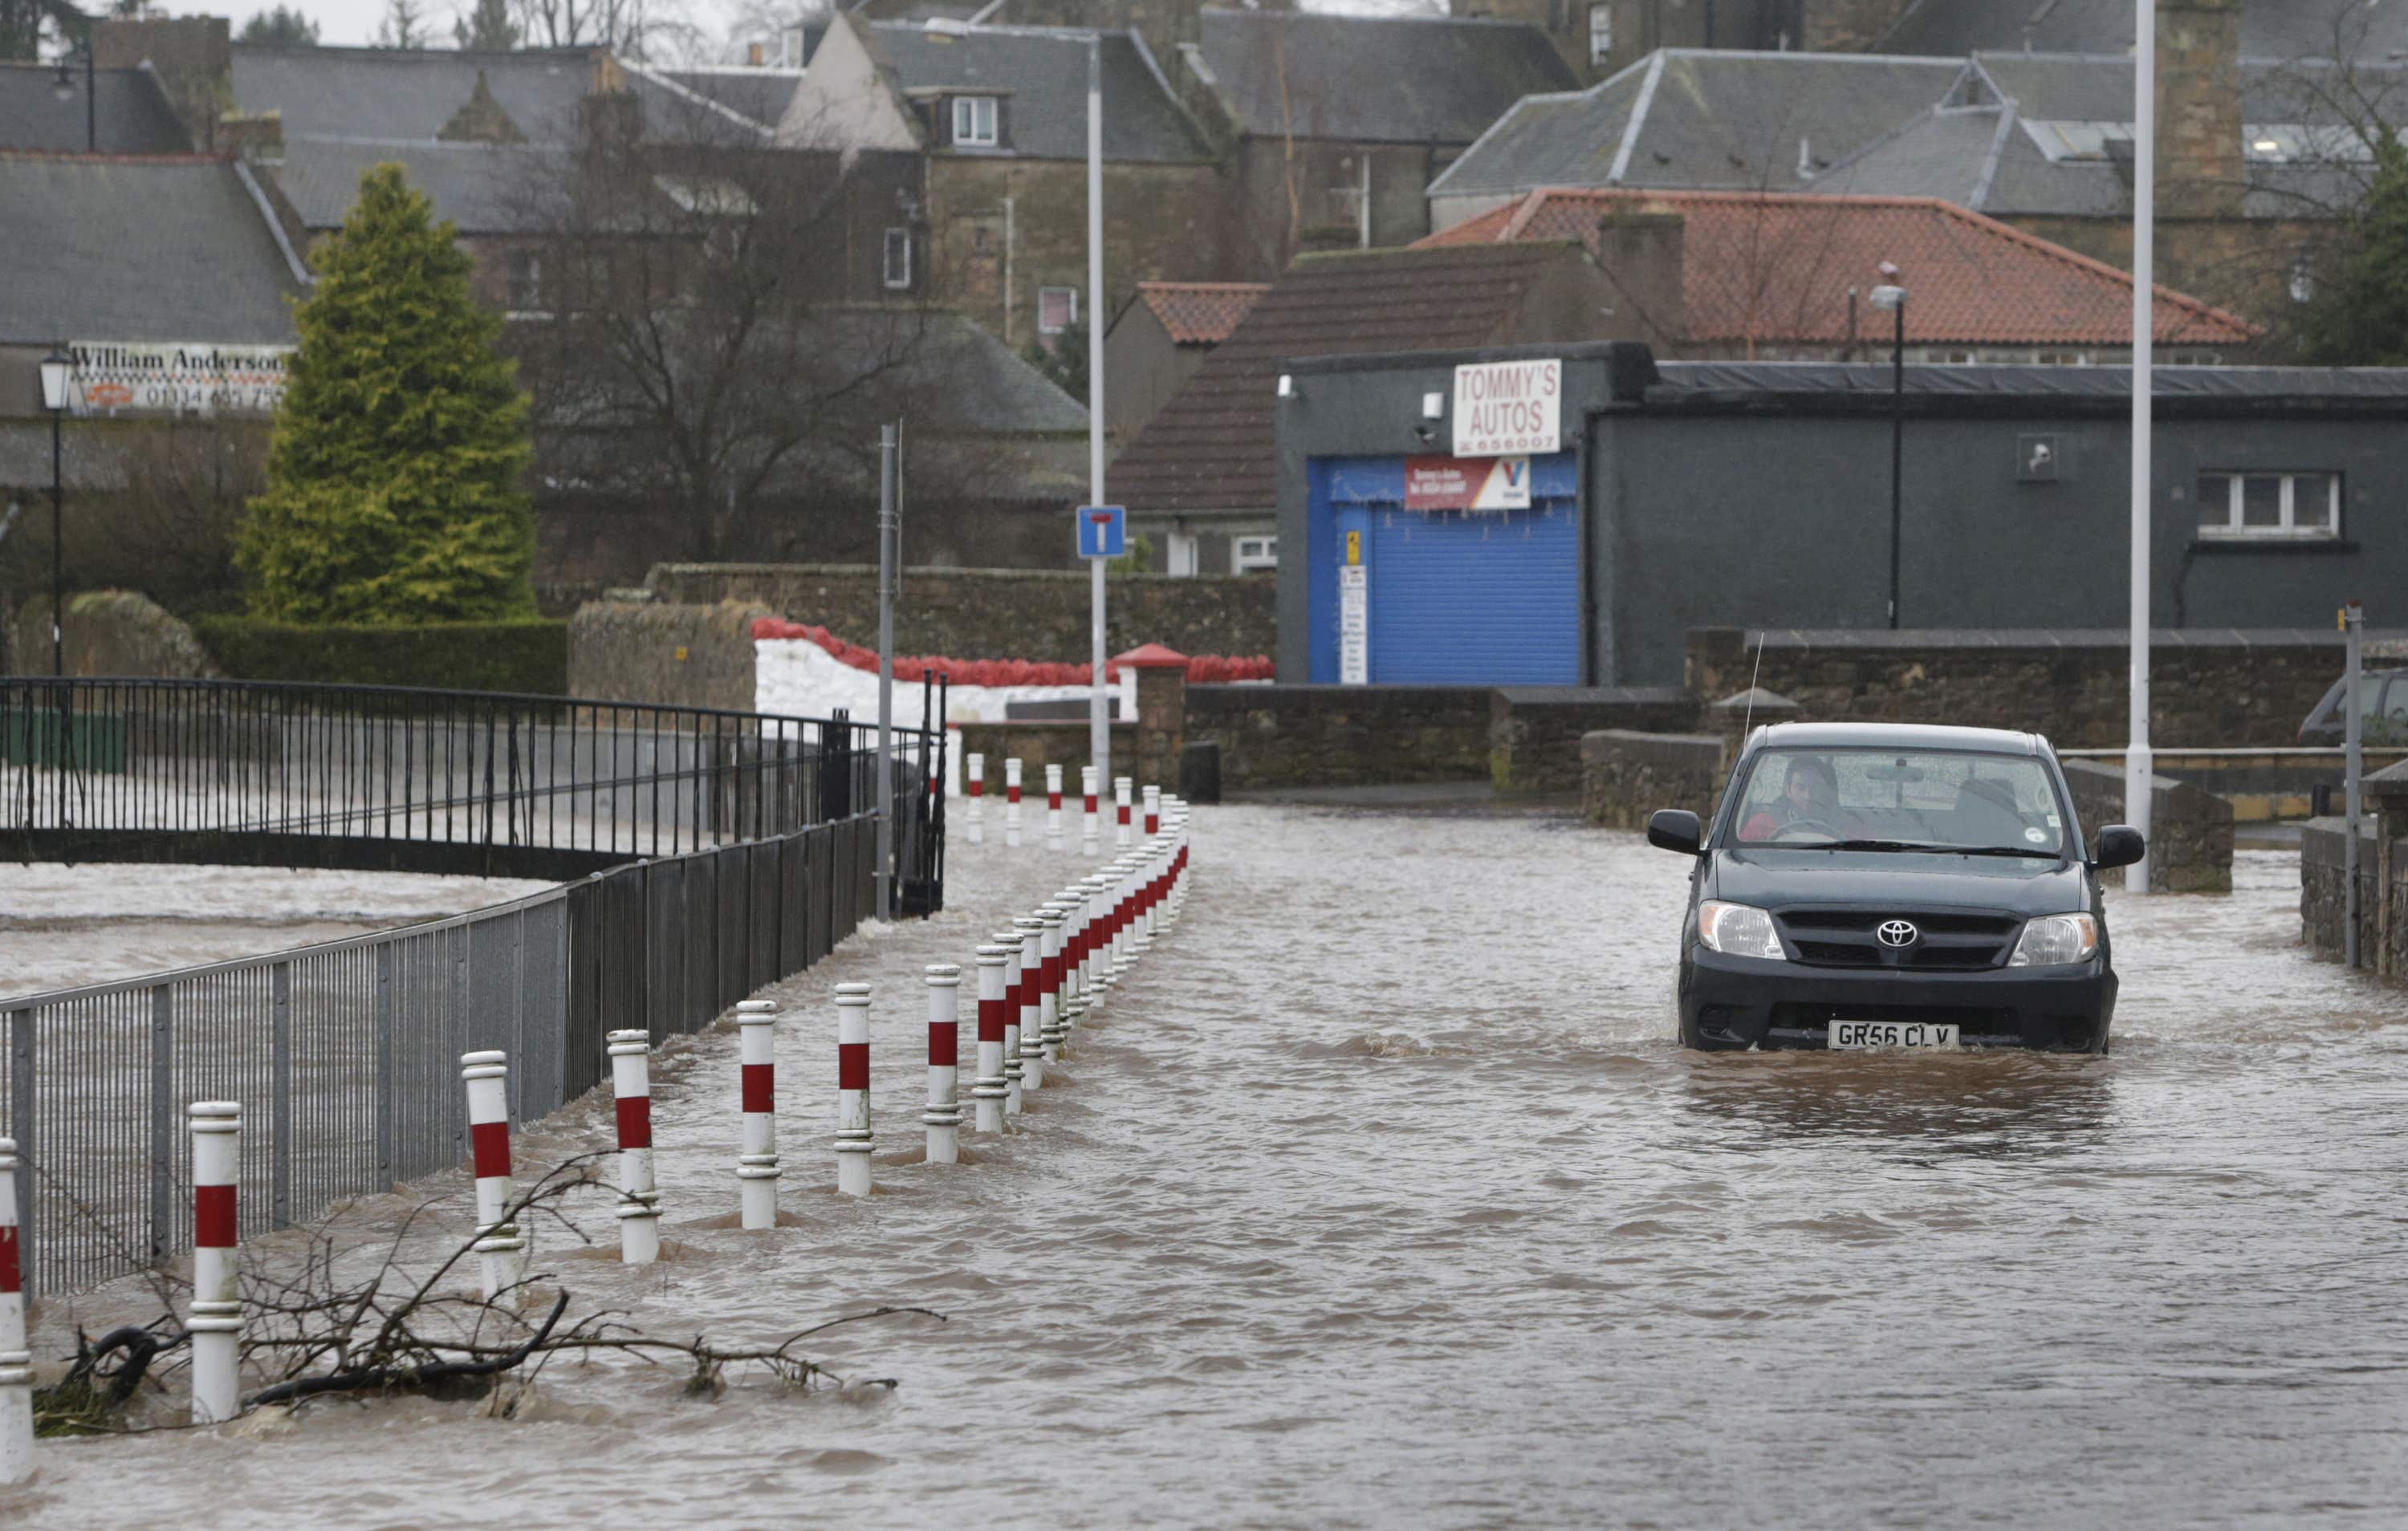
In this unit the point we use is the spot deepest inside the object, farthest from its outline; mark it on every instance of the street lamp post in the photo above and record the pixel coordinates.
(2139, 764)
(55, 367)
(63, 87)
(1892, 296)
(949, 29)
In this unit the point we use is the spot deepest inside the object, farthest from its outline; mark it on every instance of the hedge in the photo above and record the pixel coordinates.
(530, 655)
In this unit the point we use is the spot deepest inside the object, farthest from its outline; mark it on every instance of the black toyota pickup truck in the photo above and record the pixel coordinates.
(1884, 885)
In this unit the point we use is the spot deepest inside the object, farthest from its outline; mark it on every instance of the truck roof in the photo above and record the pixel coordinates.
(1877, 735)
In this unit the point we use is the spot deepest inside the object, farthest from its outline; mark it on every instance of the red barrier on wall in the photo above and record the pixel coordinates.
(1204, 670)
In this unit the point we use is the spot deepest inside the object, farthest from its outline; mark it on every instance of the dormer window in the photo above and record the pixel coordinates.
(974, 119)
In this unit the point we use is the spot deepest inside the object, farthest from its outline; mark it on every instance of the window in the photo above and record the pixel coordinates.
(1182, 554)
(1251, 554)
(1601, 34)
(2276, 505)
(1057, 309)
(525, 282)
(898, 258)
(1815, 797)
(974, 121)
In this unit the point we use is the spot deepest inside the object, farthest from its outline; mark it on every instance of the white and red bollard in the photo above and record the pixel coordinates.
(1121, 809)
(991, 1091)
(1013, 1079)
(1049, 994)
(1032, 1005)
(639, 1196)
(1073, 903)
(216, 1320)
(1151, 798)
(16, 1360)
(1087, 824)
(943, 1117)
(756, 1161)
(1052, 807)
(853, 1139)
(500, 1248)
(1011, 801)
(974, 784)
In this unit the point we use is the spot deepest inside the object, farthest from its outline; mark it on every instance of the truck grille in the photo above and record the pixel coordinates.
(1948, 941)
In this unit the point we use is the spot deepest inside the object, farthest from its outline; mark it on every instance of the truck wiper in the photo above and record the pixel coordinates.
(2028, 852)
(1860, 845)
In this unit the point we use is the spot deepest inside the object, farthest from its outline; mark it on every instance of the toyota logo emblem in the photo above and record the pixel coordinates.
(1896, 933)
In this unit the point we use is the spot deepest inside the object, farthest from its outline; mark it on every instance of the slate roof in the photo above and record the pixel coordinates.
(2269, 29)
(1972, 279)
(1374, 79)
(395, 95)
(759, 95)
(1200, 313)
(1211, 447)
(158, 247)
(133, 116)
(1042, 71)
(1703, 120)
(483, 188)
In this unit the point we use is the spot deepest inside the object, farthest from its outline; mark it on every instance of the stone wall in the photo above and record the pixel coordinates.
(2324, 885)
(2190, 829)
(1535, 732)
(2207, 687)
(108, 632)
(654, 651)
(1274, 736)
(997, 613)
(1625, 775)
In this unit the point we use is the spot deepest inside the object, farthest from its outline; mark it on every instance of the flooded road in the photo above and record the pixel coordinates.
(1383, 1197)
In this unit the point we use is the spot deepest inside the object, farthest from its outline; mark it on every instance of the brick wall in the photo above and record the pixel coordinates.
(1328, 736)
(1626, 776)
(1535, 732)
(997, 613)
(108, 632)
(650, 651)
(1848, 27)
(2190, 829)
(1162, 223)
(2207, 687)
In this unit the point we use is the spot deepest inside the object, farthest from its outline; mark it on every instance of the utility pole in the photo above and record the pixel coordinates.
(1099, 718)
(2139, 766)
(889, 534)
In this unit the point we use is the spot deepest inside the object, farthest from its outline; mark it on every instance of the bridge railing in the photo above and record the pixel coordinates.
(124, 769)
(345, 1053)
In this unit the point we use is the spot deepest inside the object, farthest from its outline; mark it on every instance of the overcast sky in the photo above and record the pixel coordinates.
(354, 22)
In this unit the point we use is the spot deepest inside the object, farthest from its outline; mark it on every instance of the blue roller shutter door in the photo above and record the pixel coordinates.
(1475, 597)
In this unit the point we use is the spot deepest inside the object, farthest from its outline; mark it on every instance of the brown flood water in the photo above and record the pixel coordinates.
(1383, 1197)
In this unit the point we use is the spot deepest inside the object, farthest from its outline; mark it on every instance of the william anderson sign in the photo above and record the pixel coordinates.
(1508, 408)
(164, 377)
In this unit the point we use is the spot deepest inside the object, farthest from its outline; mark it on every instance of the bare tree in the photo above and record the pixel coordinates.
(703, 342)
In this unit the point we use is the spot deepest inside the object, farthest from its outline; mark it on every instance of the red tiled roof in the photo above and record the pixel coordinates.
(1212, 447)
(1775, 268)
(1200, 313)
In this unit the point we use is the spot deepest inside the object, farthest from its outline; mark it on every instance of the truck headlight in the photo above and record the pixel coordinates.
(2054, 940)
(1738, 930)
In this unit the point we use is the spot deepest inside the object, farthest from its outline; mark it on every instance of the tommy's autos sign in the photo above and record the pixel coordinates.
(154, 376)
(1509, 408)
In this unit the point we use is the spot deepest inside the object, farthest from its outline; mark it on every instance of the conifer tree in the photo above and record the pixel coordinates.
(392, 481)
(2358, 313)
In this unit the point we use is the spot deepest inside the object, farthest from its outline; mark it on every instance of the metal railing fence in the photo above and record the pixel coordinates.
(124, 769)
(345, 1054)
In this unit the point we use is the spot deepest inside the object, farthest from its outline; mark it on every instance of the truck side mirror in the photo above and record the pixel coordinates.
(1675, 829)
(2120, 845)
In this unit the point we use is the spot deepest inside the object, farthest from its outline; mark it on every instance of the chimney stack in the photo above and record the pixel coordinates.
(2199, 165)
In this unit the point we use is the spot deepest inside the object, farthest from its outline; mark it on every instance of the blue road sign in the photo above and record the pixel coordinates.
(1103, 531)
